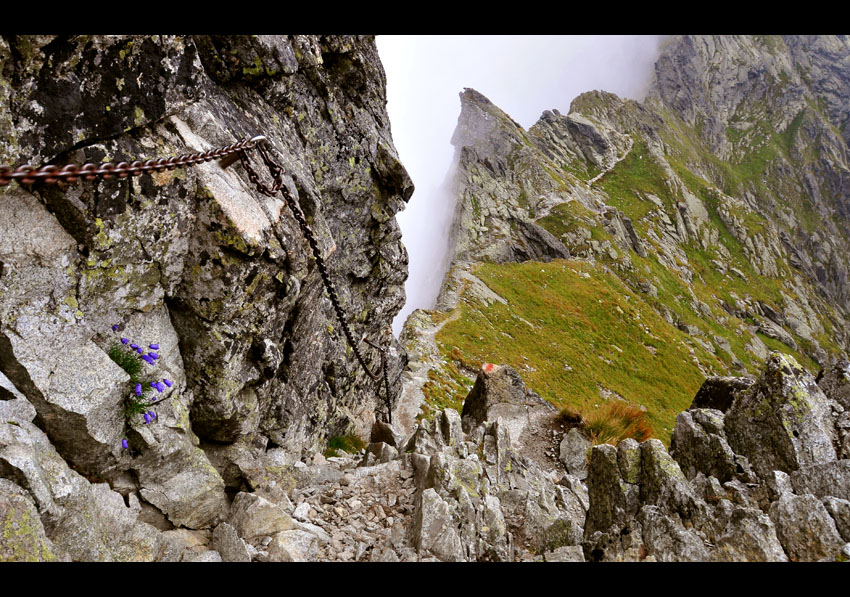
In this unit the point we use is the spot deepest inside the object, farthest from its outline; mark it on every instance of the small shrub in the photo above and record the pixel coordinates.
(570, 418)
(141, 400)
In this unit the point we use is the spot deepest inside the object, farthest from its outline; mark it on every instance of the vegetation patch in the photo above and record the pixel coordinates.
(615, 421)
(569, 327)
(350, 444)
(636, 175)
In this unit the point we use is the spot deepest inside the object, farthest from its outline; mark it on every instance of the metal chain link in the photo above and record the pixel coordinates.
(276, 172)
(71, 173)
(51, 174)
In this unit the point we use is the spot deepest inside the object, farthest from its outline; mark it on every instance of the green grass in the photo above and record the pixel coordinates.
(637, 174)
(344, 443)
(446, 389)
(567, 218)
(574, 313)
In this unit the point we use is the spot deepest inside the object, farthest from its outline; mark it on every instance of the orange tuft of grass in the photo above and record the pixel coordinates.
(615, 422)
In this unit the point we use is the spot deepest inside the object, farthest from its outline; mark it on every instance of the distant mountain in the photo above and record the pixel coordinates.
(627, 250)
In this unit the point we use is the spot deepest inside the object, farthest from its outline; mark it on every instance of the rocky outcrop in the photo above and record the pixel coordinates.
(461, 489)
(704, 501)
(193, 260)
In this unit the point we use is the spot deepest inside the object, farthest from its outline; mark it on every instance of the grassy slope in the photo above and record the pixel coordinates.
(575, 332)
(571, 313)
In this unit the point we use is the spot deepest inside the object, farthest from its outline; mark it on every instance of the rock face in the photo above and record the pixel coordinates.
(703, 501)
(194, 260)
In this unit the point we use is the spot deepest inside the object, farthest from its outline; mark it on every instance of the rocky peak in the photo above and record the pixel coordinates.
(484, 128)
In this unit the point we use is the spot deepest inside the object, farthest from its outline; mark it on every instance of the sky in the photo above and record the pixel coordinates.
(522, 75)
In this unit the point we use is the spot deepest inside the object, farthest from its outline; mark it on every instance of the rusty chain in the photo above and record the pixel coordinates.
(276, 172)
(51, 174)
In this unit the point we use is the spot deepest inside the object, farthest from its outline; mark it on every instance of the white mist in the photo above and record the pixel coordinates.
(523, 75)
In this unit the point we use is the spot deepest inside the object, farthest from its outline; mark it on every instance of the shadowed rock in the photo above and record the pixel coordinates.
(719, 392)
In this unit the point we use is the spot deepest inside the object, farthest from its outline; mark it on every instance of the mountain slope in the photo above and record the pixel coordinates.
(712, 217)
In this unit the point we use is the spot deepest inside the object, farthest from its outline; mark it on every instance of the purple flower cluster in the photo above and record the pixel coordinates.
(150, 358)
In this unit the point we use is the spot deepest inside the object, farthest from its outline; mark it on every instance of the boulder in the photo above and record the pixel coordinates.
(783, 421)
(699, 444)
(573, 453)
(255, 517)
(805, 529)
(226, 541)
(293, 546)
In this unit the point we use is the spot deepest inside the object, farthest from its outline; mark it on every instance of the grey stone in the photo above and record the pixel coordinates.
(782, 422)
(254, 517)
(805, 528)
(835, 382)
(205, 556)
(386, 433)
(839, 510)
(719, 392)
(229, 545)
(433, 529)
(178, 479)
(24, 538)
(495, 385)
(750, 536)
(698, 444)
(629, 460)
(573, 453)
(181, 545)
(293, 546)
(378, 453)
(668, 541)
(610, 501)
(316, 530)
(450, 428)
(662, 481)
(567, 553)
(302, 512)
(822, 480)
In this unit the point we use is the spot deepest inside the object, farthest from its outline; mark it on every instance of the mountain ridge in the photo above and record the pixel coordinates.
(742, 256)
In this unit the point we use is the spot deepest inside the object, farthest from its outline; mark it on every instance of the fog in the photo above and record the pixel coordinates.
(523, 75)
